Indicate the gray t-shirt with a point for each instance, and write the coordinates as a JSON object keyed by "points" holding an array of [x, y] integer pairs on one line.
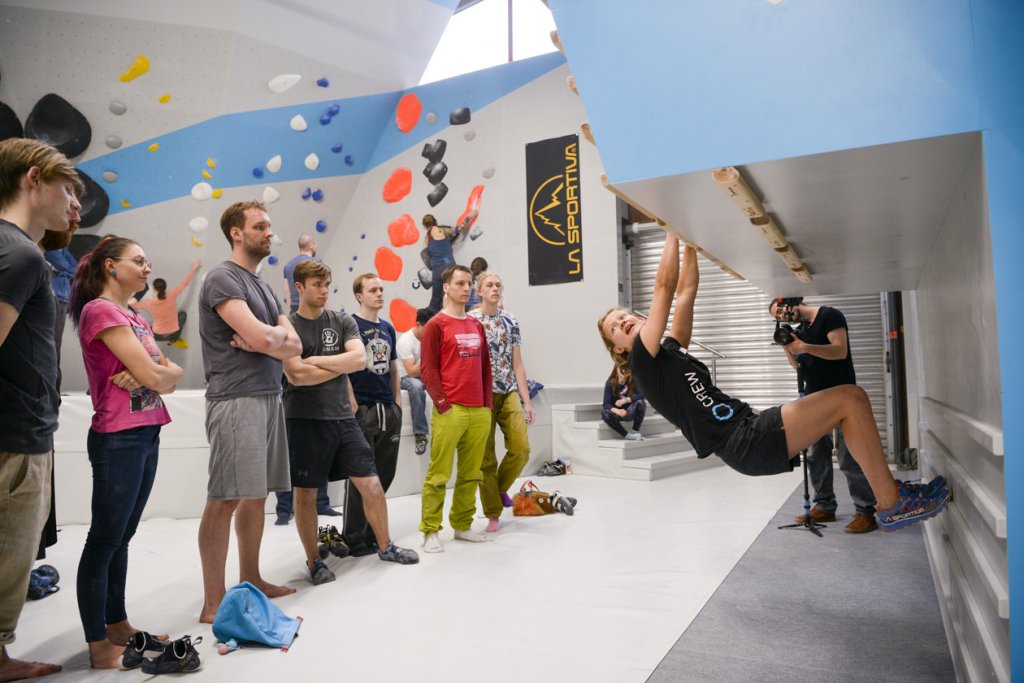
{"points": [[325, 336], [232, 372], [28, 358]]}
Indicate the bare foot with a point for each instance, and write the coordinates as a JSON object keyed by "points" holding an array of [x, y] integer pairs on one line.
{"points": [[272, 591], [105, 655], [17, 670], [121, 632], [207, 615]]}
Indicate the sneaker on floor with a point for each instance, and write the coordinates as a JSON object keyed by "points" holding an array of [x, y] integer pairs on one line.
{"points": [[506, 500], [861, 524], [400, 555], [493, 524], [552, 469], [634, 435], [421, 444], [328, 512], [432, 544], [179, 657], [471, 536], [138, 645], [562, 504], [916, 502], [818, 516], [320, 574]]}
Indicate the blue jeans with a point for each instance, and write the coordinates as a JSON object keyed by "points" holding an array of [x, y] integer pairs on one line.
{"points": [[123, 470], [417, 404], [635, 411], [819, 469]]}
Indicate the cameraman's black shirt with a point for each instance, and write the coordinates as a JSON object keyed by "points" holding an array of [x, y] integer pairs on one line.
{"points": [[679, 387], [820, 373]]}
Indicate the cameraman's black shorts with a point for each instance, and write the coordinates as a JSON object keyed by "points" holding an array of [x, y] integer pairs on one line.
{"points": [[757, 445], [327, 450]]}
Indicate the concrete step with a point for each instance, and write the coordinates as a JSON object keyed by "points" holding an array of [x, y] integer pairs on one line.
{"points": [[670, 464], [656, 444]]}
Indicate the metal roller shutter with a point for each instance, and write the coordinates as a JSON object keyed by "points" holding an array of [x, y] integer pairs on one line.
{"points": [[731, 316]]}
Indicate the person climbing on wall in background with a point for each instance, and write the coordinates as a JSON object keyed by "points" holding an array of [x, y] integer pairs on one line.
{"points": [[623, 400], [476, 266], [679, 386], [168, 321], [307, 250], [438, 239]]}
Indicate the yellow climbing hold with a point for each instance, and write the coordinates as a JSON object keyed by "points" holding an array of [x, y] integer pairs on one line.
{"points": [[196, 243], [138, 67], [154, 147], [217, 193], [210, 162], [165, 98], [206, 174], [126, 204]]}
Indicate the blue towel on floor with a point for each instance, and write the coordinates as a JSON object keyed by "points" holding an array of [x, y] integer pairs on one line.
{"points": [[247, 616]]}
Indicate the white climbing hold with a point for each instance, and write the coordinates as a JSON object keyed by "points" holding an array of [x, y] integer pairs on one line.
{"points": [[276, 240], [298, 123], [431, 117], [312, 162], [117, 108], [113, 141], [110, 176], [488, 172], [469, 135], [202, 191], [274, 165], [198, 224], [270, 195], [283, 82]]}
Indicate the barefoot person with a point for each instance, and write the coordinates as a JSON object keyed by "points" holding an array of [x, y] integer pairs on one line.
{"points": [[127, 374], [245, 337], [679, 387]]}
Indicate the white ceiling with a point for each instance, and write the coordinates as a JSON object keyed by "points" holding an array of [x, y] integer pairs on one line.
{"points": [[863, 220]]}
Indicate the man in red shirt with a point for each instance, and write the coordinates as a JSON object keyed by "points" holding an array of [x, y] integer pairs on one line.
{"points": [[455, 366]]}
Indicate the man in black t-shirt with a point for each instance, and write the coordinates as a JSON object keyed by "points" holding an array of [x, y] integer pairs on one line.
{"points": [[822, 351], [324, 440], [38, 186]]}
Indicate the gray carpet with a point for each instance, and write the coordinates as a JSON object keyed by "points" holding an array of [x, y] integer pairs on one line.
{"points": [[801, 608]]}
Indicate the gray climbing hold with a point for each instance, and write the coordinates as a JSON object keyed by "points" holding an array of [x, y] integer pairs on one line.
{"points": [[118, 108], [469, 135], [431, 117], [459, 116], [110, 176], [114, 141], [488, 172]]}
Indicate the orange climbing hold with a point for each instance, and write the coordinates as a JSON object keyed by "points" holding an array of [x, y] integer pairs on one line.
{"points": [[398, 185], [388, 264], [472, 205], [403, 315], [408, 112], [403, 231]]}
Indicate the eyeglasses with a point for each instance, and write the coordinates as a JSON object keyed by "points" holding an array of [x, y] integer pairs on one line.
{"points": [[140, 261]]}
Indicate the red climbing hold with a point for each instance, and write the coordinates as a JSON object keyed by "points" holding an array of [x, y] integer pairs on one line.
{"points": [[398, 185], [403, 315], [388, 264], [403, 231], [408, 113], [472, 205]]}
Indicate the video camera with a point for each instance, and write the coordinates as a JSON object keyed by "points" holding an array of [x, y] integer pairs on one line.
{"points": [[784, 333]]}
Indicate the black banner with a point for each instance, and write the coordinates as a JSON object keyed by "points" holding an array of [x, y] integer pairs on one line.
{"points": [[554, 211]]}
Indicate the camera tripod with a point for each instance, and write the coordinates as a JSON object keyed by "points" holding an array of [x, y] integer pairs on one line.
{"points": [[807, 523]]}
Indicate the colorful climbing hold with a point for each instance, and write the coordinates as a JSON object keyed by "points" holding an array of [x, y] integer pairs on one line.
{"points": [[257, 172], [307, 193], [298, 123], [318, 195], [210, 162], [349, 160], [154, 147], [324, 120], [388, 264], [323, 82], [403, 231], [283, 82], [363, 236], [398, 185], [274, 165], [217, 193], [333, 110], [408, 112], [272, 260], [206, 174], [165, 98], [403, 315], [312, 161], [126, 204], [195, 242], [472, 206], [138, 67], [336, 148], [321, 226]]}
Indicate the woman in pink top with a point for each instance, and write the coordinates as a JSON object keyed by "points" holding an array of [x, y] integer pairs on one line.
{"points": [[127, 374], [168, 321]]}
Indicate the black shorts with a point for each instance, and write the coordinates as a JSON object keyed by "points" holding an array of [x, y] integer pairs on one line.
{"points": [[757, 445], [327, 450]]}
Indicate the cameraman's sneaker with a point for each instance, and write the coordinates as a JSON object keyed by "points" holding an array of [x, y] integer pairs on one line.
{"points": [[331, 542], [398, 555], [179, 657], [916, 502]]}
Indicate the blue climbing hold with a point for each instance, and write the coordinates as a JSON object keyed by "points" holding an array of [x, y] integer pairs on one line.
{"points": [[363, 236], [324, 120], [307, 193], [321, 226], [349, 160], [318, 196], [355, 258], [350, 269], [272, 260], [257, 172], [323, 82], [336, 148], [333, 110]]}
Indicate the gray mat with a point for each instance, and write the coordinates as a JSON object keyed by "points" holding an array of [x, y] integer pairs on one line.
{"points": [[800, 608]]}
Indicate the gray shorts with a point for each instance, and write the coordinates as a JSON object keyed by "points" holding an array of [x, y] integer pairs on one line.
{"points": [[757, 446], [248, 447]]}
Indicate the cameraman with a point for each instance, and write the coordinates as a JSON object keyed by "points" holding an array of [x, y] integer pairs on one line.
{"points": [[823, 352]]}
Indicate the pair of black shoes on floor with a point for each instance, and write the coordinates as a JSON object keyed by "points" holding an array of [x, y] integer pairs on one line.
{"points": [[178, 656]]}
